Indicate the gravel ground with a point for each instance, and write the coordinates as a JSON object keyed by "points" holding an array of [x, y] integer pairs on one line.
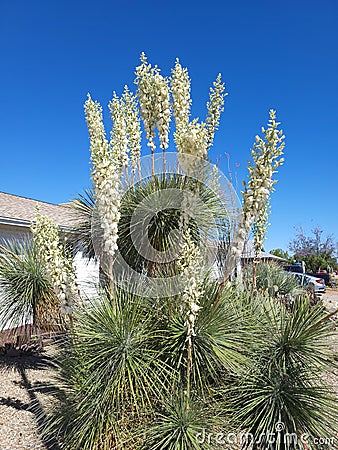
{"points": [[24, 393]]}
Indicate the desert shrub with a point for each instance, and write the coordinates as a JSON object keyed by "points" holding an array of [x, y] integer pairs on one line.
{"points": [[282, 398], [272, 279], [26, 290]]}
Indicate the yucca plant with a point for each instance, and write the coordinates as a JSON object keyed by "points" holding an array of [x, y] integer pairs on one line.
{"points": [[177, 427], [140, 224], [111, 371], [145, 372], [26, 290], [282, 401], [272, 279], [124, 361]]}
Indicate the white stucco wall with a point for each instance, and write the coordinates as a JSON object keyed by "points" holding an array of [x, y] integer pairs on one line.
{"points": [[87, 271], [87, 275]]}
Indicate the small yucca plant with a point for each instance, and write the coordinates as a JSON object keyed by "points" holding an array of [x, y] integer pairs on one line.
{"points": [[272, 279], [177, 426], [283, 394], [111, 372], [26, 290]]}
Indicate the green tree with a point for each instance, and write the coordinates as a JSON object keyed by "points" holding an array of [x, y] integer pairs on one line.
{"points": [[318, 252], [281, 254]]}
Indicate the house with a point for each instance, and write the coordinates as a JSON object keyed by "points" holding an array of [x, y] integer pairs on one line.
{"points": [[16, 215], [248, 254]]}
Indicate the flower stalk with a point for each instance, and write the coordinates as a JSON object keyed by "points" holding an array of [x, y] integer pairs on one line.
{"points": [[190, 265], [107, 161], [267, 157], [154, 98], [58, 263]]}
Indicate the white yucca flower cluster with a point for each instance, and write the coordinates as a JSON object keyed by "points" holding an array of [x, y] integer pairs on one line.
{"points": [[154, 99], [193, 140], [59, 265], [194, 137], [190, 264], [215, 107], [133, 127], [260, 228], [109, 159], [267, 158], [118, 135], [106, 165], [180, 85]]}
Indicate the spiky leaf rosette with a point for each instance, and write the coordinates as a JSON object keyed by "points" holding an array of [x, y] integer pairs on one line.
{"points": [[27, 294], [111, 372], [284, 396]]}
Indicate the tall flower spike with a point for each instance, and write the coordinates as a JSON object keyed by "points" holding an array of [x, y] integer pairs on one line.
{"points": [[105, 175], [180, 89], [133, 127], [190, 137], [190, 264], [215, 107], [118, 134], [163, 113], [59, 265], [194, 137], [267, 157], [145, 86], [154, 98]]}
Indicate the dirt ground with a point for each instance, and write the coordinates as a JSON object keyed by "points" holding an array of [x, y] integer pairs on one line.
{"points": [[330, 299]]}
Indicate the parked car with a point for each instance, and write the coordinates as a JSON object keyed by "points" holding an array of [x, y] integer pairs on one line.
{"points": [[294, 268], [325, 276], [315, 284]]}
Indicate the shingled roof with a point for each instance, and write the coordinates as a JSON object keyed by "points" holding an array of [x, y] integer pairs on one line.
{"points": [[249, 252], [15, 209]]}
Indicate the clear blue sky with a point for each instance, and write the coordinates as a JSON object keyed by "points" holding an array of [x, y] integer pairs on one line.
{"points": [[281, 55]]}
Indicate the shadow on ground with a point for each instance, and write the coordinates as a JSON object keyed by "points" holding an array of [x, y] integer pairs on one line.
{"points": [[21, 364]]}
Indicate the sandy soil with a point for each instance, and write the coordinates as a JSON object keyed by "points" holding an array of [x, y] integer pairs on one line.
{"points": [[24, 395], [330, 299]]}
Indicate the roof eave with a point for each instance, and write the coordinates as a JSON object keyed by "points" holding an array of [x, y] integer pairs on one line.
{"points": [[26, 224]]}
